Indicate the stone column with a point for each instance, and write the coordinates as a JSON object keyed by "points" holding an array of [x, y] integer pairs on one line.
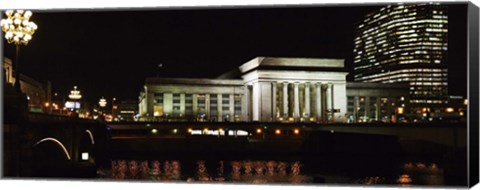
{"points": [[356, 105], [332, 101], [168, 104], [367, 107], [296, 102], [329, 107], [231, 107], [378, 109], [328, 96], [274, 101], [389, 109], [246, 104], [318, 100], [307, 99], [332, 96], [285, 100], [219, 108], [195, 105], [207, 106], [256, 101], [182, 104], [324, 102], [149, 104]]}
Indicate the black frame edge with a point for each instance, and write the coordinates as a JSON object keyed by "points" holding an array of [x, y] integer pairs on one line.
{"points": [[473, 94]]}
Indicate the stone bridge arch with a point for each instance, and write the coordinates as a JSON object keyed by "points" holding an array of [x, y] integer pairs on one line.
{"points": [[56, 142]]}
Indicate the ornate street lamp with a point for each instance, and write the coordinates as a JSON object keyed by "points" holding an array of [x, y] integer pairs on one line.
{"points": [[74, 95], [102, 102], [18, 30]]}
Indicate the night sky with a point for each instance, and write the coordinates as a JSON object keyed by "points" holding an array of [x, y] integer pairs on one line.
{"points": [[110, 52]]}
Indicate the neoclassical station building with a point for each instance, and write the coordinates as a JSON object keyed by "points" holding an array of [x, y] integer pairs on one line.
{"points": [[265, 89]]}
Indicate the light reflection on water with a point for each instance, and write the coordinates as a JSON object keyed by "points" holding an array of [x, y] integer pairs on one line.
{"points": [[239, 171], [258, 171], [421, 173]]}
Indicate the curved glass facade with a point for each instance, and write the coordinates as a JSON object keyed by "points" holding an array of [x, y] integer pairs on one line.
{"points": [[405, 43]]}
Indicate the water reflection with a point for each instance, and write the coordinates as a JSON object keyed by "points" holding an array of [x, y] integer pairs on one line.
{"points": [[412, 173], [248, 171], [155, 168], [261, 171], [202, 174], [421, 173], [371, 180], [404, 180]]}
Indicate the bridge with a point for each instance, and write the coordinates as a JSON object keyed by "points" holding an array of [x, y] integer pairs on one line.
{"points": [[448, 134], [286, 138], [43, 145], [36, 143]]}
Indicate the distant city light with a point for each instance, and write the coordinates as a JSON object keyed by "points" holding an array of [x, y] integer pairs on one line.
{"points": [[259, 130], [278, 132], [72, 105], [75, 94], [154, 131], [102, 102], [296, 131]]}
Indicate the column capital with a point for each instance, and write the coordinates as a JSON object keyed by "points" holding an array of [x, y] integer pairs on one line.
{"points": [[324, 86]]}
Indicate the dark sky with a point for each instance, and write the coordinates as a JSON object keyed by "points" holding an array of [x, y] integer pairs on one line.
{"points": [[111, 52]]}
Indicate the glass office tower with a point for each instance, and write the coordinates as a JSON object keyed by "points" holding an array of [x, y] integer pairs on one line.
{"points": [[405, 43]]}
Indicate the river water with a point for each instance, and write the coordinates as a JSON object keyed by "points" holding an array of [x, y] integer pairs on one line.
{"points": [[277, 171]]}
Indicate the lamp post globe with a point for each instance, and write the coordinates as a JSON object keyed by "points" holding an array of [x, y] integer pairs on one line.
{"points": [[74, 96], [19, 31], [102, 102]]}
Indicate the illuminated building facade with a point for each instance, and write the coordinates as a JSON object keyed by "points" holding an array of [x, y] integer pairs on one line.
{"points": [[38, 93], [126, 110], [186, 99], [373, 102], [264, 89], [405, 43]]}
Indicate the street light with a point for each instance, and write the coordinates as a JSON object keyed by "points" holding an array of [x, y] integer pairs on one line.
{"points": [[18, 30], [158, 68], [102, 102], [74, 95], [113, 108]]}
